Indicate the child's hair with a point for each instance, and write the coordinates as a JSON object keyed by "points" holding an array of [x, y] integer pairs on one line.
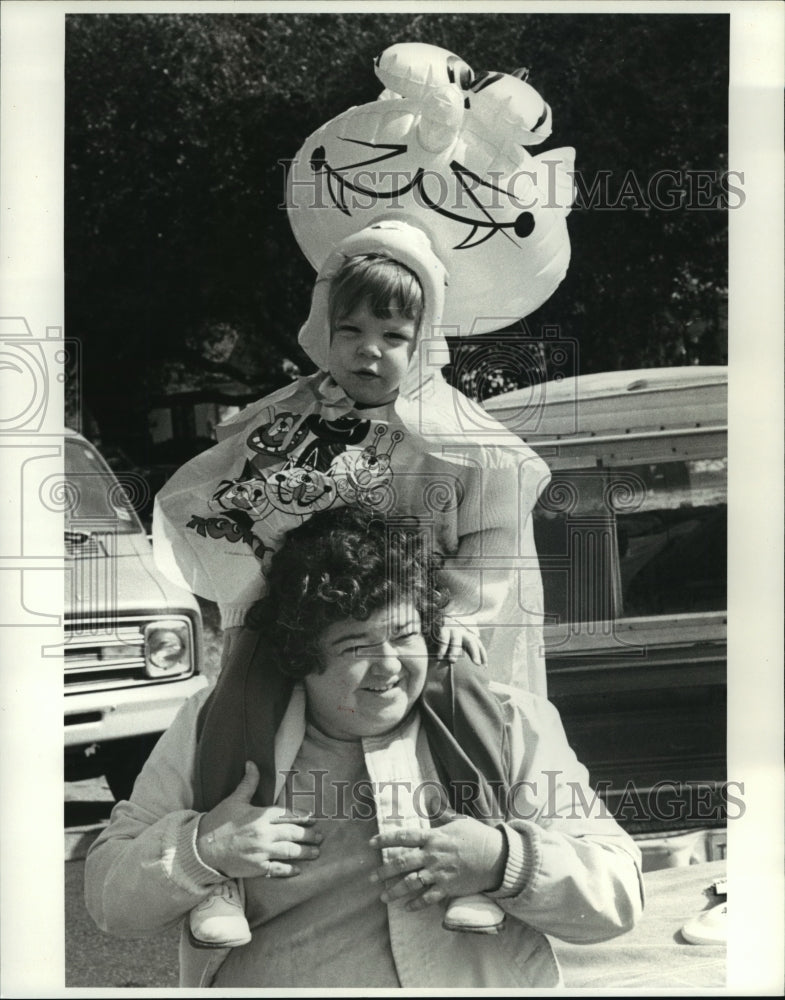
{"points": [[345, 563], [381, 281]]}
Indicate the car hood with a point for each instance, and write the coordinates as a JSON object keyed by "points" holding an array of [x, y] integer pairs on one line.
{"points": [[114, 573]]}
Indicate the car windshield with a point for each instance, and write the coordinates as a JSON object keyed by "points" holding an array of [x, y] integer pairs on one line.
{"points": [[95, 502], [634, 540]]}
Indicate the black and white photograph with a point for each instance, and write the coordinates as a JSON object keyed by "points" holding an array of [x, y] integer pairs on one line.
{"points": [[392, 424]]}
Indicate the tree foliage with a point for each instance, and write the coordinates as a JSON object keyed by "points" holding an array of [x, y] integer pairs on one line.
{"points": [[180, 264]]}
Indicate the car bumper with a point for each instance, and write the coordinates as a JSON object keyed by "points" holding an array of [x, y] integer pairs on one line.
{"points": [[96, 717]]}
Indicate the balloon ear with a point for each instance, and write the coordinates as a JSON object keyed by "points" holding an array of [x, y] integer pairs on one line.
{"points": [[555, 173], [412, 69], [505, 108]]}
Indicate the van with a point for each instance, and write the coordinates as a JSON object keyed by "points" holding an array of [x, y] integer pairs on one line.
{"points": [[631, 534], [133, 641]]}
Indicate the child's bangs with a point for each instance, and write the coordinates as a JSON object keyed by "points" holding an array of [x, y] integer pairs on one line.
{"points": [[381, 282], [392, 286]]}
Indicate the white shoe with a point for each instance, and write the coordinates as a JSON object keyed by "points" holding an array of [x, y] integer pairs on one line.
{"points": [[473, 914], [709, 927], [219, 920]]}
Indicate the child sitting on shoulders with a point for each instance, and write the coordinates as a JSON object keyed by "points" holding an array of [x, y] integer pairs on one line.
{"points": [[377, 427]]}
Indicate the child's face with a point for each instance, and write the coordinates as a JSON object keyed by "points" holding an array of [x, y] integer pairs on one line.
{"points": [[369, 356], [374, 671]]}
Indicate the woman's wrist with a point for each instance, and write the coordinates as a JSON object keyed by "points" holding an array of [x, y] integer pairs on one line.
{"points": [[496, 874]]}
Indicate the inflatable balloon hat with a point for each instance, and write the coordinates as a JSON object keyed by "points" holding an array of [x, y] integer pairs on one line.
{"points": [[444, 150]]}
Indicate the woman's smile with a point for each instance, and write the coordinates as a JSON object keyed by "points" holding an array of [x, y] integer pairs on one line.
{"points": [[383, 688], [374, 672]]}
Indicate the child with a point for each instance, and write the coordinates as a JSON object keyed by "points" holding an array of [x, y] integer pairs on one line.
{"points": [[377, 427]]}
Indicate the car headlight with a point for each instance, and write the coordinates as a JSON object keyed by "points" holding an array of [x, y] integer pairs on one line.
{"points": [[167, 648]]}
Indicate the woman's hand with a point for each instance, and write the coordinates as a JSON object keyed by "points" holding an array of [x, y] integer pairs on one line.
{"points": [[454, 637], [243, 841], [457, 858]]}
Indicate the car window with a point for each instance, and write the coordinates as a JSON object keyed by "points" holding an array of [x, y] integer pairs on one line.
{"points": [[634, 540], [96, 501]]}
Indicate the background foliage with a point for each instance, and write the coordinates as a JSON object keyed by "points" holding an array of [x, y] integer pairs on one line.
{"points": [[181, 270]]}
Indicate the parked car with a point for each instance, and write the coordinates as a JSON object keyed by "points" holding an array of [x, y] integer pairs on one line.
{"points": [[631, 537], [133, 641], [142, 481]]}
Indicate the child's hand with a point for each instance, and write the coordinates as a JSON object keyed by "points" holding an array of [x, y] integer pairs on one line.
{"points": [[454, 638]]}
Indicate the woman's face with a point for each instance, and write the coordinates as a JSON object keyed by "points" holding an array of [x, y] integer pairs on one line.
{"points": [[374, 672]]}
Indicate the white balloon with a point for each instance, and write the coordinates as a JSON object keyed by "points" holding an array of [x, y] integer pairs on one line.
{"points": [[444, 150]]}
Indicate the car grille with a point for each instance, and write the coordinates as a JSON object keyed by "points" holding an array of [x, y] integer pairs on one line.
{"points": [[110, 653]]}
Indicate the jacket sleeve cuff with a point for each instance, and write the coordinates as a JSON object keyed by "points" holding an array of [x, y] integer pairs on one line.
{"points": [[517, 870], [190, 864]]}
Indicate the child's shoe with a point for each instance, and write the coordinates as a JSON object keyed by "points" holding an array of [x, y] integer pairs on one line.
{"points": [[219, 920], [709, 927], [476, 914]]}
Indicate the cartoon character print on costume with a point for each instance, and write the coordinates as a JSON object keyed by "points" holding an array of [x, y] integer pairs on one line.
{"points": [[235, 526], [248, 492], [309, 483], [283, 432], [324, 464], [301, 490], [326, 471], [297, 486], [443, 149], [240, 503], [366, 476], [332, 437], [280, 435]]}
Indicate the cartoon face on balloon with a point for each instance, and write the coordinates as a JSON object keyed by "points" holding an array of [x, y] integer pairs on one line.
{"points": [[445, 150]]}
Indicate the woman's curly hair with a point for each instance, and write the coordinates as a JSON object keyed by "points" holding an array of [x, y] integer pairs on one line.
{"points": [[344, 563]]}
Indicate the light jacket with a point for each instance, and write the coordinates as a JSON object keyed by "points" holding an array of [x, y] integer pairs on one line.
{"points": [[580, 878]]}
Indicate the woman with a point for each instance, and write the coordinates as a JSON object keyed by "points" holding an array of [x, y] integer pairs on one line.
{"points": [[346, 877]]}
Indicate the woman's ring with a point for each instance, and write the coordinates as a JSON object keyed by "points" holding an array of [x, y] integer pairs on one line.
{"points": [[269, 872], [421, 880]]}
